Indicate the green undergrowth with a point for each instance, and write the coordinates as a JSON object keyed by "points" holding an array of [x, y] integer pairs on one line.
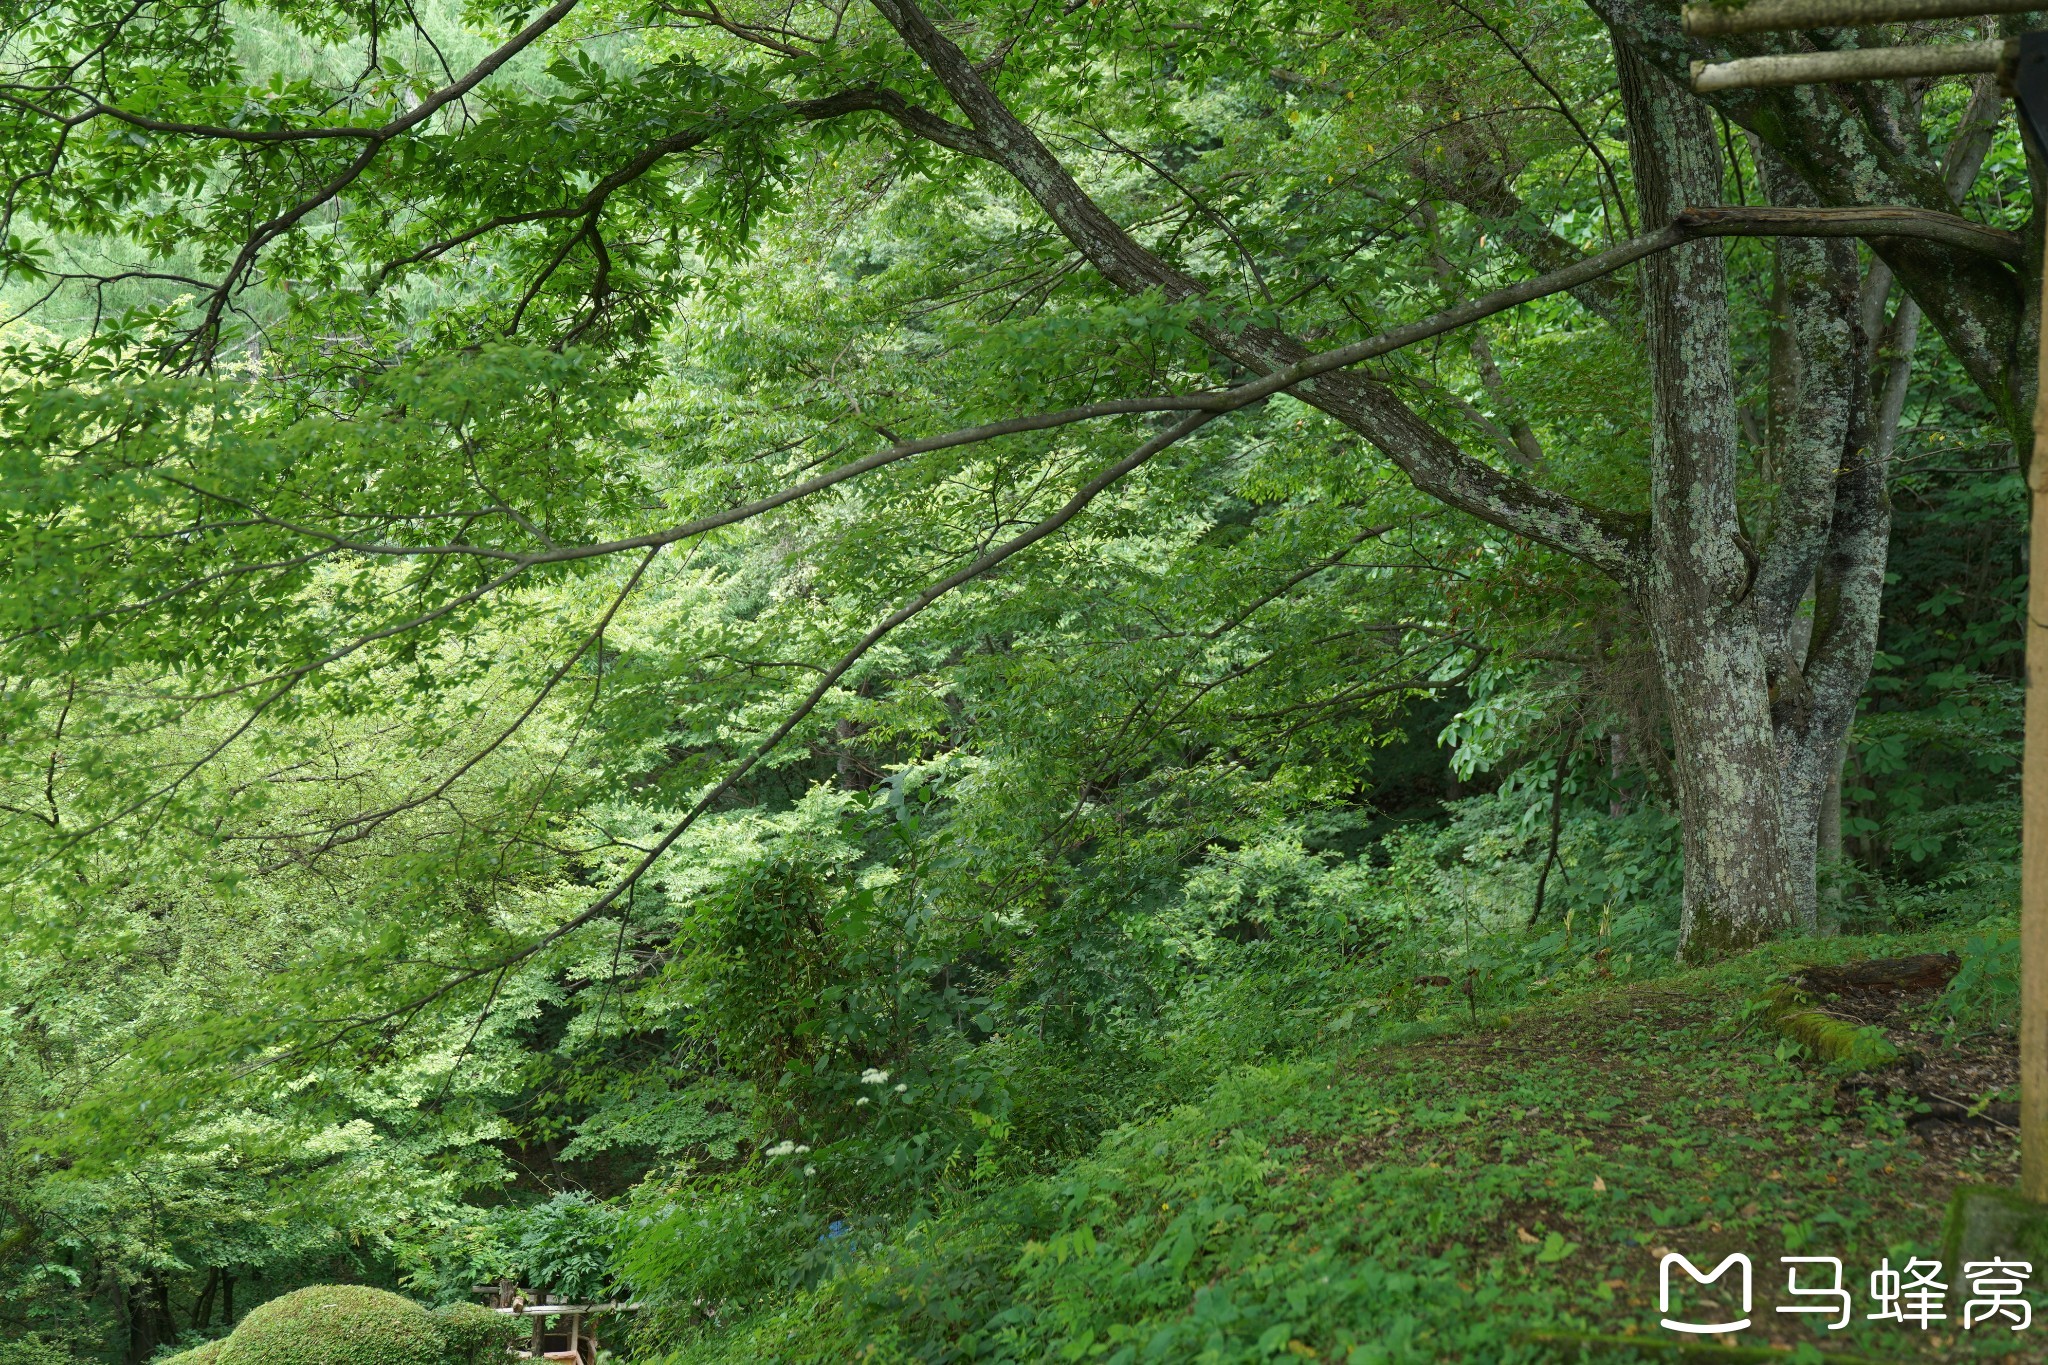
{"points": [[1499, 1188]]}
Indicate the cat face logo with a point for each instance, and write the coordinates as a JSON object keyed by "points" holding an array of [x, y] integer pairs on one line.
{"points": [[1664, 1291]]}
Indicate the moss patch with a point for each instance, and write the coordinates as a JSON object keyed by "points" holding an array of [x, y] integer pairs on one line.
{"points": [[208, 1354]]}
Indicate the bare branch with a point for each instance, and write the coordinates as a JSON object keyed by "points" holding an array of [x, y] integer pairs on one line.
{"points": [[1871, 224], [1690, 224]]}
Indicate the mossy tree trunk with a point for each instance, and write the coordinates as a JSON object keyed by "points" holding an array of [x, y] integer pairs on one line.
{"points": [[1697, 587], [1766, 649]]}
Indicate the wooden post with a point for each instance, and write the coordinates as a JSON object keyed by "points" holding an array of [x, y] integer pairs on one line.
{"points": [[2034, 818]]}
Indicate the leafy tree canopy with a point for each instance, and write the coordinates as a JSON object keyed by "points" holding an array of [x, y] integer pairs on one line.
{"points": [[638, 641]]}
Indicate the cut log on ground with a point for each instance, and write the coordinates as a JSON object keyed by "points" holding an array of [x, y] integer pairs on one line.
{"points": [[1922, 972]]}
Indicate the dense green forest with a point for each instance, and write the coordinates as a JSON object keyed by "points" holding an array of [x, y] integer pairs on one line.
{"points": [[1123, 679]]}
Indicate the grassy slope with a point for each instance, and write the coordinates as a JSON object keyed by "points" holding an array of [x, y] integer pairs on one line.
{"points": [[1447, 1196]]}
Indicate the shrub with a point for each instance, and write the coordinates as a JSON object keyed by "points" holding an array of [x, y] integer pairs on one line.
{"points": [[33, 1350], [337, 1324], [1985, 994], [565, 1246], [472, 1334]]}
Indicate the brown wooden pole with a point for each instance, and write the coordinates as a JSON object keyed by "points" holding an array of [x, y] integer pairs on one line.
{"points": [[2034, 818]]}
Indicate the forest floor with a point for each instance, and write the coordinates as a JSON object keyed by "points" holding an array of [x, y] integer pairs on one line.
{"points": [[1496, 1189], [1567, 1150]]}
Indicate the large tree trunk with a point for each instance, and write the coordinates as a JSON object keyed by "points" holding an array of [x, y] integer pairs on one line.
{"points": [[1835, 436], [1828, 532], [1720, 645], [1703, 618], [1817, 367], [150, 1321]]}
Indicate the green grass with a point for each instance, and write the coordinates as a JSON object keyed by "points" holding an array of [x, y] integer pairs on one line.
{"points": [[1500, 1190]]}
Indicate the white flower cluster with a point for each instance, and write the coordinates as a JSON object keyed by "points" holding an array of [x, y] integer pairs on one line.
{"points": [[787, 1149], [874, 1075]]}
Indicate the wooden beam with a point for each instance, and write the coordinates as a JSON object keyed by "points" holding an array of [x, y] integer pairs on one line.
{"points": [[1764, 16], [1853, 64], [2034, 821]]}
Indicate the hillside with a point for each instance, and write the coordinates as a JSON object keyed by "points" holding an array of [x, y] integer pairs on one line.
{"points": [[1498, 1189]]}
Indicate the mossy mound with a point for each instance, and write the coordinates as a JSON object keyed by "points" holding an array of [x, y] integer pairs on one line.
{"points": [[337, 1324], [209, 1354]]}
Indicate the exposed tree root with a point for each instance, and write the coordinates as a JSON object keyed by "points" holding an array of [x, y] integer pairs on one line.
{"points": [[1945, 1108]]}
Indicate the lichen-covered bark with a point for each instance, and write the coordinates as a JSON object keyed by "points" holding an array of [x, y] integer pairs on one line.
{"points": [[1836, 466], [1817, 429], [1697, 593], [1815, 385], [1859, 145], [1848, 593]]}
